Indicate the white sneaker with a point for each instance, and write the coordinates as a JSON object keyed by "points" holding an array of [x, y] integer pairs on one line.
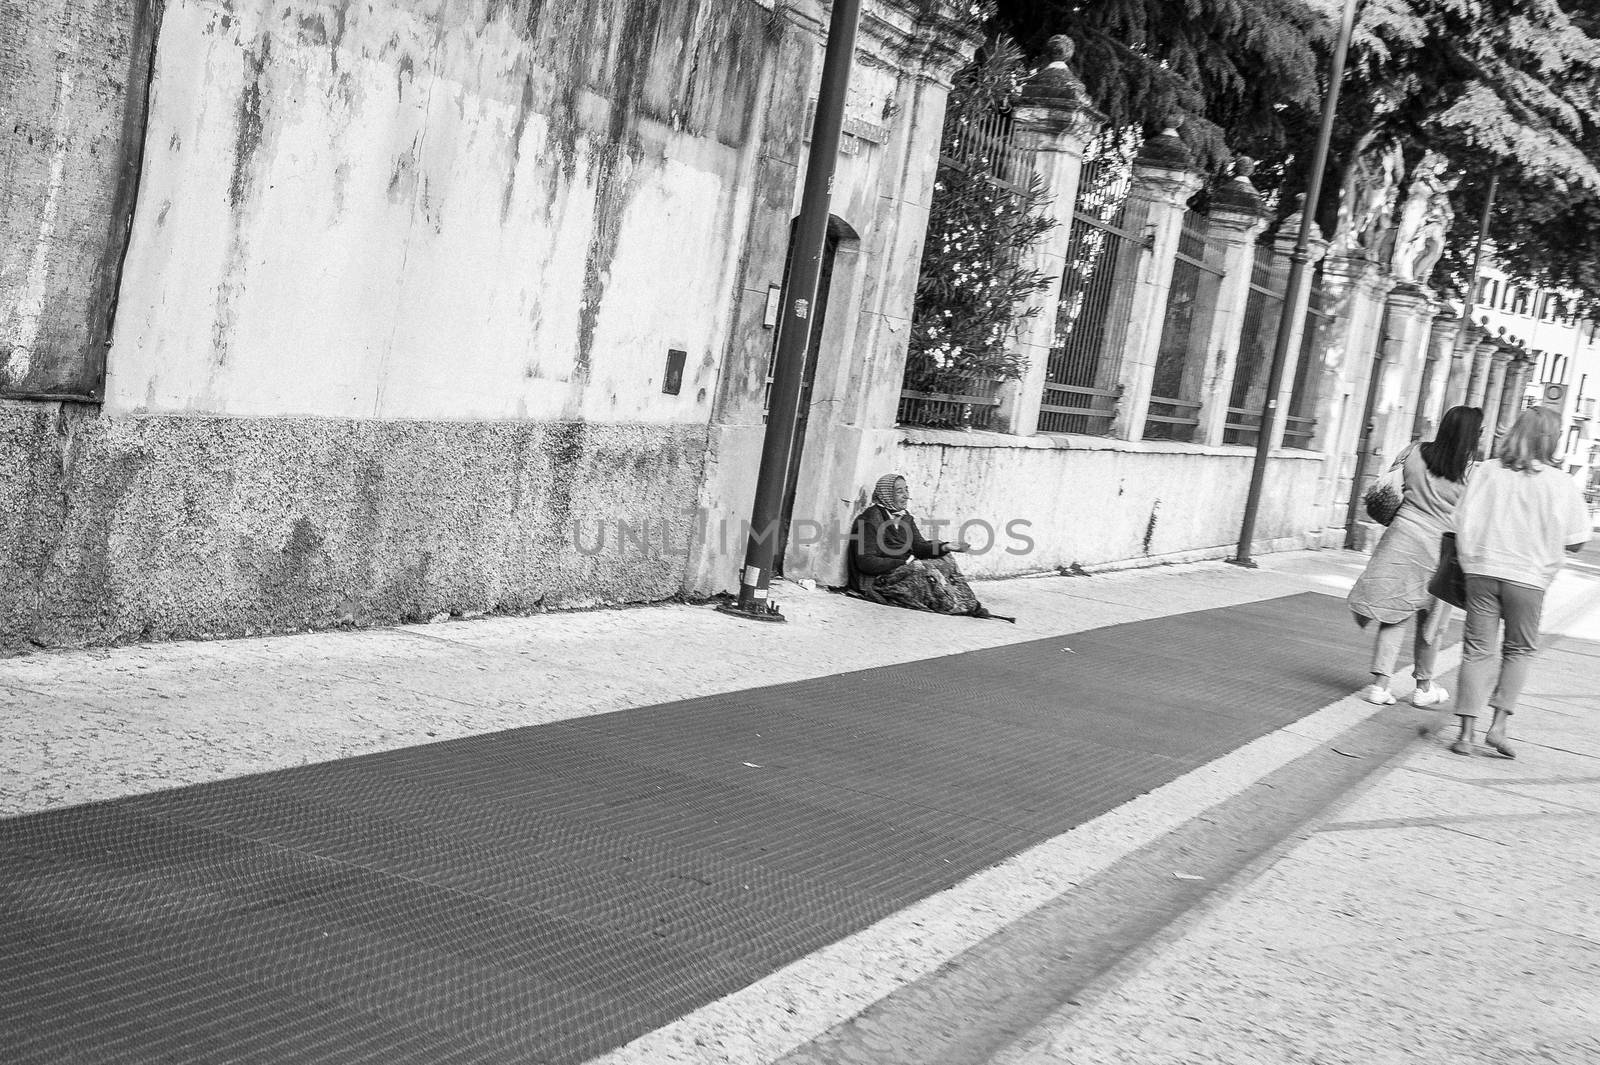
{"points": [[1374, 693], [1432, 697]]}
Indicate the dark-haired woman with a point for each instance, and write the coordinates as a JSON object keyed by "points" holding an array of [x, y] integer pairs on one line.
{"points": [[1393, 589], [1515, 518]]}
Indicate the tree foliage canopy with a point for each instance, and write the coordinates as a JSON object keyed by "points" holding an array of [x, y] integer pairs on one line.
{"points": [[974, 275], [1503, 87], [1230, 68], [1511, 82], [1509, 88]]}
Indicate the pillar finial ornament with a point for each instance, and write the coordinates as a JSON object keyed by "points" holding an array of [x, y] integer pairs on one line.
{"points": [[1166, 149], [1054, 86], [1238, 193]]}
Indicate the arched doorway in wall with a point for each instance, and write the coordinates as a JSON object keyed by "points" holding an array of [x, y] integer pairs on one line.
{"points": [[839, 234]]}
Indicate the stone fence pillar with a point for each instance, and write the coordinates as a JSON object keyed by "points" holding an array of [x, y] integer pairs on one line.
{"points": [[1526, 364], [1494, 384], [1436, 375], [1410, 310], [1463, 355], [1236, 221], [1341, 346], [1349, 347], [1478, 380], [1163, 181], [1517, 375], [1053, 120]]}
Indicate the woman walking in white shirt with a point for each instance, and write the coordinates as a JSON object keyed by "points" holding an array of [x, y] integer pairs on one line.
{"points": [[1516, 515]]}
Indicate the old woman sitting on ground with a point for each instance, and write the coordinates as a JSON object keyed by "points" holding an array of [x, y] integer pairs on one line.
{"points": [[892, 562]]}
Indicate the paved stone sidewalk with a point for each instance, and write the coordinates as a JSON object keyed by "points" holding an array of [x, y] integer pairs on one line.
{"points": [[1445, 914], [550, 893], [90, 725], [104, 724]]}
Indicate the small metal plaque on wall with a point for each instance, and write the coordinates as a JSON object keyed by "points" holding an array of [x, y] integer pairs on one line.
{"points": [[672, 383], [769, 317]]}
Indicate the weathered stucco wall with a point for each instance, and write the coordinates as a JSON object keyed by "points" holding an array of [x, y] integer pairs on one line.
{"points": [[158, 527], [483, 209], [399, 295], [883, 184], [72, 83]]}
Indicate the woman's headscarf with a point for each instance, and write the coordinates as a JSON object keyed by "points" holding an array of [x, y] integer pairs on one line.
{"points": [[883, 494]]}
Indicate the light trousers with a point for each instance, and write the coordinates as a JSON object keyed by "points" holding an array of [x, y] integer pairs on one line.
{"points": [[1424, 651], [1486, 681]]}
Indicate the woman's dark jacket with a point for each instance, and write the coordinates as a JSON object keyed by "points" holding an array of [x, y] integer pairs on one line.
{"points": [[879, 543]]}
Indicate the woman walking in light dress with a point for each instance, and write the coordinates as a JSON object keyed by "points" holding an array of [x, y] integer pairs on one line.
{"points": [[1393, 589]]}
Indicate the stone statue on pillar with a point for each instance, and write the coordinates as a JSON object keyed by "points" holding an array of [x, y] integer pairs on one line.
{"points": [[1366, 205], [1424, 224]]}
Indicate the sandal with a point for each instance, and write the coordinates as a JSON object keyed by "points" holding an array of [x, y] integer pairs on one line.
{"points": [[1505, 750]]}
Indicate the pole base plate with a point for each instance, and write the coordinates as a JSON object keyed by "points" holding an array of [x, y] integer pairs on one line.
{"points": [[759, 612], [1243, 563]]}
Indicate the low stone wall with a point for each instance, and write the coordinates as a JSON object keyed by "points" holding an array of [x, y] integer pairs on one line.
{"points": [[1098, 502], [162, 527]]}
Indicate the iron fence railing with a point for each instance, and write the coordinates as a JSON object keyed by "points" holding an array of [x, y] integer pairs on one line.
{"points": [[973, 407], [1083, 374], [1262, 310], [1180, 358], [986, 146]]}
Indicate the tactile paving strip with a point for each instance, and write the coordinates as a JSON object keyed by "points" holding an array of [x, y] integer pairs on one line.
{"points": [[543, 894]]}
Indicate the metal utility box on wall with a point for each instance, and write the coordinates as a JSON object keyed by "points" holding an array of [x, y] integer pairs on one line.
{"points": [[672, 381]]}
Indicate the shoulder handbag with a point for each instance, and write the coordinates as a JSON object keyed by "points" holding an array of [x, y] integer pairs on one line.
{"points": [[1383, 497], [1449, 583]]}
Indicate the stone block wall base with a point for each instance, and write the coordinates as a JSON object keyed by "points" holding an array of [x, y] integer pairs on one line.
{"points": [[132, 528], [1328, 538], [1216, 553]]}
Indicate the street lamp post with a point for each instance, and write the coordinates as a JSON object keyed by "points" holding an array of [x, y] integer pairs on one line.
{"points": [[794, 324], [1296, 283]]}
